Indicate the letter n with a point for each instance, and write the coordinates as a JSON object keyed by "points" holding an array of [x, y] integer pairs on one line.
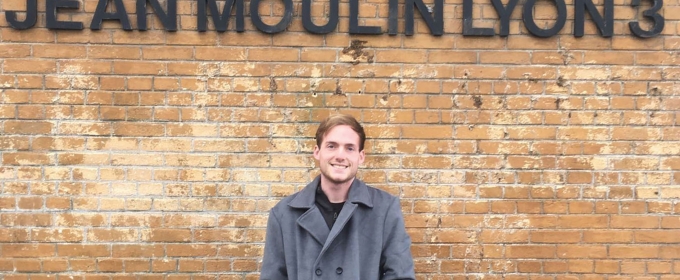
{"points": [[605, 25]]}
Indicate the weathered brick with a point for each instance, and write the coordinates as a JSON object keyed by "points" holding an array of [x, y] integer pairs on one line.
{"points": [[633, 252], [27, 158], [29, 66], [28, 250], [73, 250], [536, 158]]}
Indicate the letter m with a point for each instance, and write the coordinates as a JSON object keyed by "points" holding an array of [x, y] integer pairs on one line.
{"points": [[221, 20]]}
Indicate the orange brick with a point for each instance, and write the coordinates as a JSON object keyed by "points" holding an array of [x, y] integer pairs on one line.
{"points": [[555, 237], [633, 252], [538, 158], [138, 129], [29, 66], [28, 250], [634, 222], [113, 52], [430, 132], [530, 251], [57, 51], [582, 251], [15, 50], [24, 158], [138, 68]]}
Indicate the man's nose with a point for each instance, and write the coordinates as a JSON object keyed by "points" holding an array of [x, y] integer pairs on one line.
{"points": [[341, 154]]}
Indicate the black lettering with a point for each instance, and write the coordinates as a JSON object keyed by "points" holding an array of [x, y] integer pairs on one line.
{"points": [[435, 21], [271, 29], [393, 14], [651, 14], [29, 21], [354, 27], [221, 20], [468, 29], [168, 19], [504, 13], [100, 14], [605, 25], [51, 10], [528, 18], [309, 25]]}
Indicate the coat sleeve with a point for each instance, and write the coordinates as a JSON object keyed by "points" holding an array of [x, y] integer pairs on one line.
{"points": [[274, 260], [396, 259]]}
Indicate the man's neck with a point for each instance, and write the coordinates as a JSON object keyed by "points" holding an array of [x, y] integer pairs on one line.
{"points": [[336, 193]]}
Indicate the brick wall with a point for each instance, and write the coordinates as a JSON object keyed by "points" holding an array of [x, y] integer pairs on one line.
{"points": [[156, 154]]}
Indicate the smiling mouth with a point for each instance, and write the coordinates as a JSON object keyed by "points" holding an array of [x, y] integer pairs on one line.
{"points": [[339, 166]]}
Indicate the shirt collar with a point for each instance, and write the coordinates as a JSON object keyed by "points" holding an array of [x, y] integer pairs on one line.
{"points": [[358, 193]]}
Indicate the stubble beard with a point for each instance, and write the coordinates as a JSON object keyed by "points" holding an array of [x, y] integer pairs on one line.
{"points": [[332, 179]]}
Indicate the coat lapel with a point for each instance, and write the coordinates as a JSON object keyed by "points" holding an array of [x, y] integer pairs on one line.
{"points": [[358, 194], [339, 224], [312, 221]]}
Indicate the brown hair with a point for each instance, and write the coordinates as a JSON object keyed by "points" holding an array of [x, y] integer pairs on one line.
{"points": [[340, 119]]}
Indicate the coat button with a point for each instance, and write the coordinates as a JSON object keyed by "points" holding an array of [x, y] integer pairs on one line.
{"points": [[338, 270], [318, 272]]}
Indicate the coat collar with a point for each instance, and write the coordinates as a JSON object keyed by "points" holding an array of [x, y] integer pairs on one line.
{"points": [[358, 193]]}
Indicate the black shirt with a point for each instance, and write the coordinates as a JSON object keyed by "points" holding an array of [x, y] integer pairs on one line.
{"points": [[329, 210]]}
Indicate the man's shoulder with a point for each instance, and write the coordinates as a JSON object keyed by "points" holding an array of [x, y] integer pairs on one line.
{"points": [[283, 203], [380, 197]]}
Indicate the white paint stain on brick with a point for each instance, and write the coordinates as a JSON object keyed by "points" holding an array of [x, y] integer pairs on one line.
{"points": [[463, 192], [206, 71], [421, 72], [246, 84], [221, 85], [384, 133], [599, 163], [237, 70], [73, 76], [421, 148], [366, 73], [522, 222], [405, 87], [383, 101], [316, 72], [664, 149]]}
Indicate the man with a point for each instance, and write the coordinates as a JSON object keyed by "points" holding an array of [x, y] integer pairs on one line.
{"points": [[337, 227]]}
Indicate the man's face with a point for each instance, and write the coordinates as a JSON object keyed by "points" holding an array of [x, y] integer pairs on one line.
{"points": [[339, 156]]}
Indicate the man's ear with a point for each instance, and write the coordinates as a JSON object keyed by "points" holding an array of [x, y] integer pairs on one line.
{"points": [[316, 152], [362, 156]]}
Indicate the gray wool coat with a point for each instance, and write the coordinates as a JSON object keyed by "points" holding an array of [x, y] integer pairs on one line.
{"points": [[368, 240]]}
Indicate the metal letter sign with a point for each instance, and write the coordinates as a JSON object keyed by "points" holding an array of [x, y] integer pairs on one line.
{"points": [[435, 21], [271, 29], [432, 16], [169, 18], [31, 16], [221, 21], [51, 14], [354, 27], [504, 14], [528, 17], [468, 29], [309, 25], [100, 14], [604, 25], [651, 14]]}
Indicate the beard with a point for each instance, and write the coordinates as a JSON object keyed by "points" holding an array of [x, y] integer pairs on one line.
{"points": [[336, 178]]}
